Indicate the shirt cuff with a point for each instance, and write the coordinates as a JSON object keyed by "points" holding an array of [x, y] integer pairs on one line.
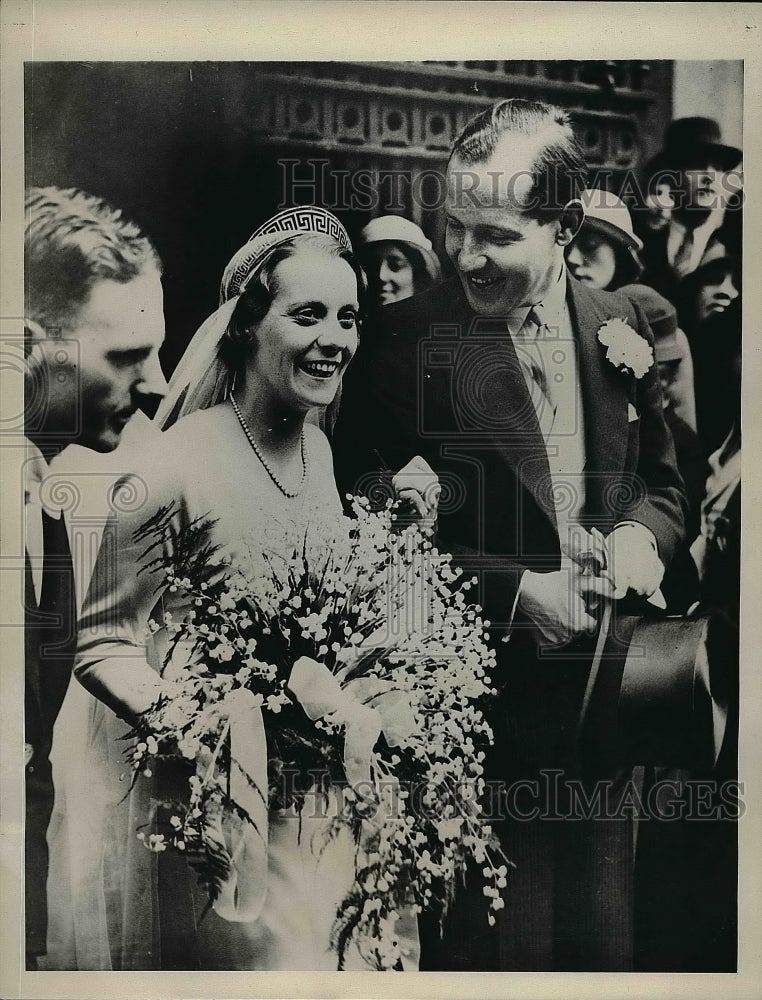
{"points": [[515, 605]]}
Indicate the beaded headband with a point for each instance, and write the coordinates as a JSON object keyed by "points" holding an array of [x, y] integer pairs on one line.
{"points": [[280, 229]]}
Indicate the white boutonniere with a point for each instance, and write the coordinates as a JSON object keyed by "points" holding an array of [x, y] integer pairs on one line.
{"points": [[625, 348]]}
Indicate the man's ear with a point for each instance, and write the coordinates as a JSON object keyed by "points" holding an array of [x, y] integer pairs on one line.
{"points": [[569, 222]]}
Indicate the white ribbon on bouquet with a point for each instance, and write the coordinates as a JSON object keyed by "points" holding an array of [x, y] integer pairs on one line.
{"points": [[322, 697], [242, 895]]}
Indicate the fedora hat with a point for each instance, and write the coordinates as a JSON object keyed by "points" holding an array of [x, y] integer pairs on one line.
{"points": [[688, 140], [718, 258]]}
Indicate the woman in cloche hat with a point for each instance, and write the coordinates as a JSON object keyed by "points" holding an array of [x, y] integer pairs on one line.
{"points": [[604, 253], [398, 259]]}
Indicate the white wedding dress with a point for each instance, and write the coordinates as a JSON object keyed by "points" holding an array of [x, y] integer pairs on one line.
{"points": [[113, 904]]}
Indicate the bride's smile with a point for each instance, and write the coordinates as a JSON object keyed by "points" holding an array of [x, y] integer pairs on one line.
{"points": [[309, 334]]}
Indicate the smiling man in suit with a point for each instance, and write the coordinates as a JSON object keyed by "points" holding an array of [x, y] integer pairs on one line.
{"points": [[538, 404]]}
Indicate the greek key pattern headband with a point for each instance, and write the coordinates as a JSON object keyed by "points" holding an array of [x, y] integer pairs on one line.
{"points": [[279, 229]]}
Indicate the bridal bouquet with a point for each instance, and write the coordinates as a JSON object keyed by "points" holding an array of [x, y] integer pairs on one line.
{"points": [[355, 642]]}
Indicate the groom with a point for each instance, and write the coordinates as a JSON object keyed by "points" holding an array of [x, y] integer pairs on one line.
{"points": [[537, 403]]}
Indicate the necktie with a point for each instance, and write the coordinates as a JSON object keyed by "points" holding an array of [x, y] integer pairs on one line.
{"points": [[559, 411], [681, 265], [531, 359]]}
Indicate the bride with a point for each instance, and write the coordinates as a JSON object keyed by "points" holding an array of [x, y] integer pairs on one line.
{"points": [[239, 450]]}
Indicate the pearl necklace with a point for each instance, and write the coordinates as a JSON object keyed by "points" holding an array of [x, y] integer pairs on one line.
{"points": [[250, 438]]}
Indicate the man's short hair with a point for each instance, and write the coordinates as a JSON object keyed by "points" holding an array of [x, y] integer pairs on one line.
{"points": [[559, 171], [71, 241]]}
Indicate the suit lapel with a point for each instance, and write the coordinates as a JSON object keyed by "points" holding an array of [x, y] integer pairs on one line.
{"points": [[604, 394], [33, 543], [497, 387], [476, 394], [500, 391]]}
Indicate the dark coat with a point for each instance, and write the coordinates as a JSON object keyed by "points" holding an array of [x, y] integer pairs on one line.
{"points": [[657, 272], [50, 636], [434, 379]]}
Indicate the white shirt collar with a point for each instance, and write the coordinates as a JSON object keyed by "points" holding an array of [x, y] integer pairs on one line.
{"points": [[515, 320], [553, 304], [35, 470], [711, 222]]}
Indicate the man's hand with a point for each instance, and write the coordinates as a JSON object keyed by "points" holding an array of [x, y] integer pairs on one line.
{"points": [[633, 562], [557, 602]]}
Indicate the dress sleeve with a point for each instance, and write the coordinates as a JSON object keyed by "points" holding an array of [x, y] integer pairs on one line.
{"points": [[111, 657], [112, 664]]}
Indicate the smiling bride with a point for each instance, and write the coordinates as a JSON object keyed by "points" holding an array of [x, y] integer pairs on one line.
{"points": [[239, 451]]}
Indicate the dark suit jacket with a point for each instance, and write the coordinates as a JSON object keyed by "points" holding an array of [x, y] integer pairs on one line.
{"points": [[434, 379], [657, 272], [48, 657]]}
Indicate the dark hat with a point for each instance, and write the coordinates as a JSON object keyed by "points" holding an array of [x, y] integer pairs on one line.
{"points": [[661, 316], [660, 313], [687, 140]]}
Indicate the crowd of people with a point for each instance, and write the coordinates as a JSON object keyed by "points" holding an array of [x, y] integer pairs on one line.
{"points": [[575, 439]]}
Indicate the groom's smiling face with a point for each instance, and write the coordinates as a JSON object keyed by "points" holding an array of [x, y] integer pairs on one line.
{"points": [[505, 258]]}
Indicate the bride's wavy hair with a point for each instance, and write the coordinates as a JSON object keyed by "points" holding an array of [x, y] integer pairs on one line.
{"points": [[255, 300]]}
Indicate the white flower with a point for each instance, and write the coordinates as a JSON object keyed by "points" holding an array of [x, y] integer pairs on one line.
{"points": [[155, 843], [188, 747], [625, 347], [448, 829], [223, 652]]}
